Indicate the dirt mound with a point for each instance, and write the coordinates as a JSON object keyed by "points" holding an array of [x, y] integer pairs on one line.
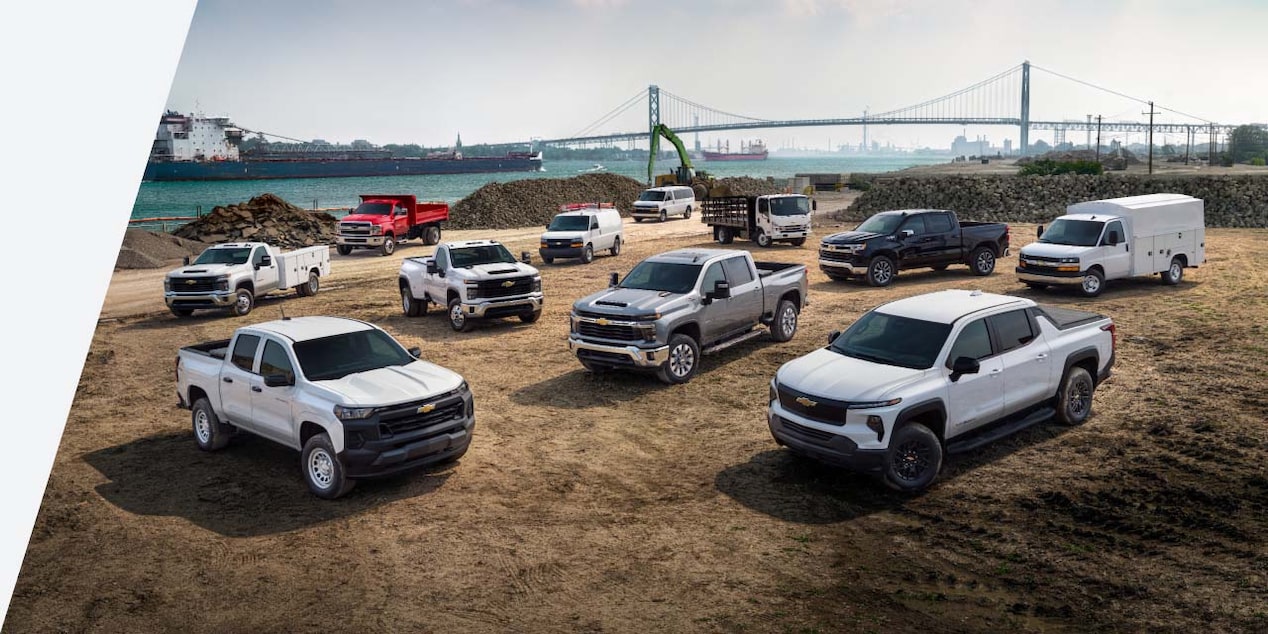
{"points": [[535, 201], [143, 249], [265, 218], [749, 186]]}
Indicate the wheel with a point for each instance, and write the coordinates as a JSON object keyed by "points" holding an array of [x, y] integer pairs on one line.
{"points": [[663, 216], [587, 254], [1174, 273], [431, 235], [762, 239], [343, 249], [309, 288], [412, 306], [1039, 286], [725, 236], [982, 261], [457, 317], [245, 302], [796, 242], [209, 432], [181, 312], [1074, 397], [594, 368], [616, 247], [686, 215], [548, 260], [913, 460], [684, 356], [1093, 282], [880, 271], [322, 470], [389, 246], [529, 318], [785, 324], [940, 267]]}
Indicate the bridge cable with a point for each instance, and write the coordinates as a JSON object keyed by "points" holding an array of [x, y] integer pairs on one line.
{"points": [[1115, 92], [626, 105]]}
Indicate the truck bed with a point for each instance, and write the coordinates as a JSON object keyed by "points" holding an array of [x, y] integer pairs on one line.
{"points": [[217, 349], [1066, 318], [766, 268], [727, 211]]}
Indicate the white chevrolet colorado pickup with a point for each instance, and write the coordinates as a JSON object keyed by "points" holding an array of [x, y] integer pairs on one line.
{"points": [[938, 373], [342, 391]]}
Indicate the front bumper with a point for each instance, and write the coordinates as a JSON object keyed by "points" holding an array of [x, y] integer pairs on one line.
{"points": [[1049, 276], [834, 266], [561, 252], [823, 446], [358, 241], [619, 355], [215, 299], [502, 307], [371, 449]]}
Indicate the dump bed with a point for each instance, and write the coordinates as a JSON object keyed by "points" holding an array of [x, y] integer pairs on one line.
{"points": [[429, 212]]}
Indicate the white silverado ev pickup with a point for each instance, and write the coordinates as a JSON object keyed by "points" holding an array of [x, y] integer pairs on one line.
{"points": [[472, 279], [938, 373], [341, 391], [235, 274]]}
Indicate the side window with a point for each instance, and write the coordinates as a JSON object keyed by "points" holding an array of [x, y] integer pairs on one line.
{"points": [[763, 205], [973, 343], [275, 361], [442, 259], [938, 223], [1114, 227], [712, 275], [244, 351], [258, 256], [1013, 329], [737, 271], [916, 224], [401, 211], [594, 223]]}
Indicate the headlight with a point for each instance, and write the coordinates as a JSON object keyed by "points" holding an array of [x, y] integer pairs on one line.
{"points": [[167, 284], [222, 283], [646, 317], [1069, 260], [544, 245], [376, 230], [873, 404], [473, 289], [649, 332], [572, 322], [537, 284], [353, 413], [464, 387], [774, 392]]}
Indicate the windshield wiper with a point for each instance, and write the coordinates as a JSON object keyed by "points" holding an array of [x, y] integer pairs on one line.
{"points": [[869, 357]]}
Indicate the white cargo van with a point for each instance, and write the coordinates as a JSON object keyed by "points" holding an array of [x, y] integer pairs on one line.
{"points": [[580, 229], [1105, 240], [663, 202]]}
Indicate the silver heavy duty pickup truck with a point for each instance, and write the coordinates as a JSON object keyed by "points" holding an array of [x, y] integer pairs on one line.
{"points": [[934, 374], [474, 279], [343, 392], [673, 307]]}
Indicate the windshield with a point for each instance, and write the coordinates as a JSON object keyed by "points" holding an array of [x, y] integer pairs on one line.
{"points": [[340, 355], [652, 196], [881, 223], [483, 254], [1079, 233], [224, 256], [569, 223], [374, 209], [893, 340], [662, 276], [792, 206]]}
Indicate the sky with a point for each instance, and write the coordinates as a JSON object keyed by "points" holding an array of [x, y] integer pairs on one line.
{"points": [[396, 71]]}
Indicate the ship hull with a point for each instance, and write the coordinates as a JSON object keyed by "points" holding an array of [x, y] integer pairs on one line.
{"points": [[722, 156], [333, 168]]}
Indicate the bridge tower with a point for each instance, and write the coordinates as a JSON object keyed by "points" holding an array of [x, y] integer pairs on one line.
{"points": [[1025, 108], [653, 113]]}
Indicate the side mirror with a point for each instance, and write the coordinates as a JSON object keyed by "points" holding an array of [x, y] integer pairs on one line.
{"points": [[832, 336], [278, 380], [186, 260], [614, 278], [432, 269], [1039, 233], [525, 257], [415, 352], [721, 289], [266, 260], [962, 366], [814, 205], [906, 233]]}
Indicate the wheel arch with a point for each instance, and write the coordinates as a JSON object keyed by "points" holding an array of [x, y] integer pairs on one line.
{"points": [[1086, 358], [691, 329], [196, 393], [308, 428], [931, 413], [793, 295]]}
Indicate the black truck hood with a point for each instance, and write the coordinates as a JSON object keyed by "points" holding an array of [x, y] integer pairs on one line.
{"points": [[852, 237]]}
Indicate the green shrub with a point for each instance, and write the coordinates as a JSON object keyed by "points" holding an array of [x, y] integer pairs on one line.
{"points": [[1258, 161], [1049, 167]]}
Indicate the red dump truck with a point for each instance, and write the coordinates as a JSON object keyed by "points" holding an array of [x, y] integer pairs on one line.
{"points": [[382, 220]]}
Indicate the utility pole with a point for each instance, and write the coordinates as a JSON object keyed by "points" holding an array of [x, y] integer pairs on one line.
{"points": [[1089, 130], [1151, 114], [1188, 143], [1098, 138], [1210, 147]]}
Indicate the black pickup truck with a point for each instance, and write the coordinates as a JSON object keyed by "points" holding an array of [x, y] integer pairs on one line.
{"points": [[891, 241]]}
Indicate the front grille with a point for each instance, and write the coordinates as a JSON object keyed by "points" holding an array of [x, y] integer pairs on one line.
{"points": [[193, 285], [610, 331], [408, 418], [500, 288], [816, 408], [354, 228], [807, 432], [1035, 261], [558, 244], [836, 256], [610, 358]]}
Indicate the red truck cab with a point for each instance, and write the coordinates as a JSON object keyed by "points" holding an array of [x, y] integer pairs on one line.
{"points": [[383, 220]]}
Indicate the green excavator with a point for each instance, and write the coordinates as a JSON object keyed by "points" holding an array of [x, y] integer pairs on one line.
{"points": [[700, 182]]}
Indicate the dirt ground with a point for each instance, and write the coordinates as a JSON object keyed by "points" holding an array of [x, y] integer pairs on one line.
{"points": [[619, 504]]}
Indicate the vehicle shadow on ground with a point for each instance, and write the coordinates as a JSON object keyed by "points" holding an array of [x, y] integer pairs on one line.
{"points": [[793, 488], [408, 249], [252, 487]]}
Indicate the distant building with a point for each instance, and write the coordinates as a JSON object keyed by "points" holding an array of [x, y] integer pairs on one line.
{"points": [[1008, 146]]}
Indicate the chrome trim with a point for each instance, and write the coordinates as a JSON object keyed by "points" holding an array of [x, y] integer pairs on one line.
{"points": [[636, 354]]}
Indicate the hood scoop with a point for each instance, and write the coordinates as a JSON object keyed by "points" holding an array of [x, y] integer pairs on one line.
{"points": [[617, 304], [194, 271], [501, 271]]}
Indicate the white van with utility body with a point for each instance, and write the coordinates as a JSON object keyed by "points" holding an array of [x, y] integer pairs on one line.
{"points": [[662, 202], [1111, 239], [580, 229]]}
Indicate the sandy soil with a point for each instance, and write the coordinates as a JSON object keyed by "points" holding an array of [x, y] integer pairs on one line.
{"points": [[619, 504]]}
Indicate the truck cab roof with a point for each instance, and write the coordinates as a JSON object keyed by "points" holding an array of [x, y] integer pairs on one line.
{"points": [[692, 256], [470, 243], [909, 212], [236, 245], [308, 328], [945, 307]]}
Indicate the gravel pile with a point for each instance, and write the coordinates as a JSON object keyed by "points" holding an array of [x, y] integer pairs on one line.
{"points": [[535, 201], [748, 186], [143, 249], [265, 218]]}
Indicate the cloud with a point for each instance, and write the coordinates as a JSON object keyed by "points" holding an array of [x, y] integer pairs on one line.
{"points": [[599, 4], [860, 11]]}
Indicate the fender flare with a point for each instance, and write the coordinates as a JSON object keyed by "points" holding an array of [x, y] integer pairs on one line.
{"points": [[933, 405], [1082, 354]]}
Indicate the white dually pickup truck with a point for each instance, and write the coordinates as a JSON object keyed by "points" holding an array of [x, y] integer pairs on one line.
{"points": [[343, 392], [934, 374], [473, 279], [235, 274]]}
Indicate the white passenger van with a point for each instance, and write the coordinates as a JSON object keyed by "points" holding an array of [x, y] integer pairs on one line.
{"points": [[1105, 240], [662, 202], [580, 229]]}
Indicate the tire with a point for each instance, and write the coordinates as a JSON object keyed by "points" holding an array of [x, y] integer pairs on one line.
{"points": [[209, 432], [594, 368], [431, 235], [686, 215], [245, 302], [796, 242], [343, 249], [532, 317], [457, 318], [881, 271], [1174, 273], [982, 261], [663, 216], [913, 460], [684, 360], [587, 254], [1038, 286], [1074, 397], [322, 471], [548, 260], [616, 247], [784, 325], [1093, 283], [309, 288], [762, 239], [181, 312], [389, 246], [725, 236], [410, 305]]}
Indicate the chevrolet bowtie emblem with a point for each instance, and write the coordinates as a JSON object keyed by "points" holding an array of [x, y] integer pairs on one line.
{"points": [[426, 408], [601, 322], [191, 281], [806, 402], [508, 284]]}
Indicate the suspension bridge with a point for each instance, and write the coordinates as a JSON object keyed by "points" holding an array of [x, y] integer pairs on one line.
{"points": [[1000, 100]]}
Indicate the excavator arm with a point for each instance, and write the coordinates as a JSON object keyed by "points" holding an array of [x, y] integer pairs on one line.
{"points": [[657, 132]]}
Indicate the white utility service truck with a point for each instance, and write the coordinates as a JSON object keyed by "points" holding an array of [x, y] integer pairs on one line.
{"points": [[235, 274]]}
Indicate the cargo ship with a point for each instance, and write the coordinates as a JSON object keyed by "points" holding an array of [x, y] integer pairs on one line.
{"points": [[755, 151], [198, 148]]}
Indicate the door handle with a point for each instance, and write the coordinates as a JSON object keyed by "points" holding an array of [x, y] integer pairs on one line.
{"points": [[996, 371], [226, 379], [1041, 357], [256, 388]]}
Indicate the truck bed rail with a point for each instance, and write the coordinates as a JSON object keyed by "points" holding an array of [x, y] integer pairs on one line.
{"points": [[726, 211]]}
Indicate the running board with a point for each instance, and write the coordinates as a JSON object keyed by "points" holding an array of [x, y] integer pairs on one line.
{"points": [[730, 342], [995, 433]]}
